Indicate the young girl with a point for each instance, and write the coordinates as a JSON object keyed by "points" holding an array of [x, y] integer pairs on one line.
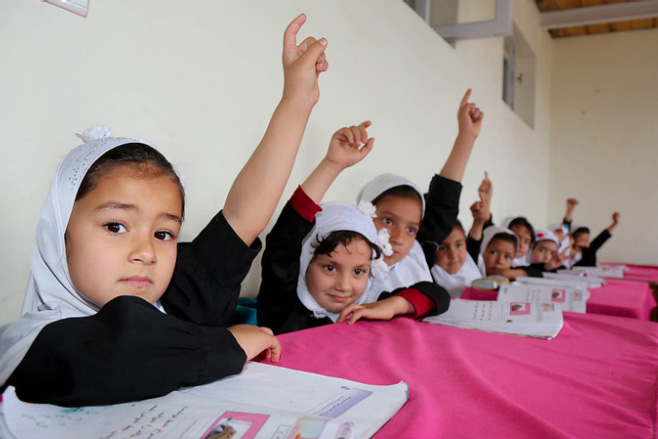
{"points": [[319, 262], [499, 245], [111, 314], [410, 218], [582, 253], [544, 257], [482, 219], [454, 269], [526, 234]]}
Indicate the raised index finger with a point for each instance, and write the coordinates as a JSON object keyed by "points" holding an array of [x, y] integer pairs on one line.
{"points": [[465, 98], [290, 34]]}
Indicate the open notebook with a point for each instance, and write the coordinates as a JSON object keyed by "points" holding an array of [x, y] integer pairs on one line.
{"points": [[262, 402], [542, 320]]}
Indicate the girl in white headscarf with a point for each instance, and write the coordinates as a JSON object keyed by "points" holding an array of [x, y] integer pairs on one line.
{"points": [[454, 269], [413, 219], [320, 263], [115, 311], [110, 314]]}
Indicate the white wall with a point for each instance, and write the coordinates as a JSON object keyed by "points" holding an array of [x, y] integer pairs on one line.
{"points": [[605, 138], [200, 80]]}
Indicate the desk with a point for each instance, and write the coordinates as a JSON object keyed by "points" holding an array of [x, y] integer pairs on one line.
{"points": [[647, 273], [624, 298], [596, 379]]}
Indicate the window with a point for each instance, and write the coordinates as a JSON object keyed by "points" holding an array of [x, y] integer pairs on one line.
{"points": [[519, 76]]}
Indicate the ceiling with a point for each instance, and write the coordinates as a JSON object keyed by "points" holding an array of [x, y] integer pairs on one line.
{"points": [[570, 18]]}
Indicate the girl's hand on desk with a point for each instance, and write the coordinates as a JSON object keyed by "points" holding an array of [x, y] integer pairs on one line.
{"points": [[381, 310], [255, 340]]}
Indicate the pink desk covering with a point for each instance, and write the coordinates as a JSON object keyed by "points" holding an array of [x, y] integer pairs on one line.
{"points": [[596, 379], [647, 273], [619, 297]]}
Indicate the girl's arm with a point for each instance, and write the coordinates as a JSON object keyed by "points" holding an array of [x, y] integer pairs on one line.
{"points": [[129, 351], [421, 299], [568, 215], [277, 296], [470, 119], [258, 187], [615, 223], [442, 199]]}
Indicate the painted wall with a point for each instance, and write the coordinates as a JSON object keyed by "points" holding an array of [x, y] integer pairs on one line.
{"points": [[200, 80], [604, 147]]}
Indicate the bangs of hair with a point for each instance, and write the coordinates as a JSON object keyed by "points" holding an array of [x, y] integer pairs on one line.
{"points": [[503, 237], [579, 231], [327, 245], [402, 191], [521, 221], [145, 161]]}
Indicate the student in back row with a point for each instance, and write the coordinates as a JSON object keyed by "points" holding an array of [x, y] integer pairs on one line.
{"points": [[115, 310]]}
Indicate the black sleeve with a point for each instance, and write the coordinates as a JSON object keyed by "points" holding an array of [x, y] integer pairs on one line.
{"points": [[429, 250], [205, 285], [533, 270], [128, 351], [589, 253], [598, 242], [441, 210], [434, 292], [473, 247], [278, 306], [567, 224]]}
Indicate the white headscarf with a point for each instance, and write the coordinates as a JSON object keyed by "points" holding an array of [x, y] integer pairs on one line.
{"points": [[50, 294], [456, 283], [413, 267], [546, 235], [566, 241], [487, 235], [332, 218]]}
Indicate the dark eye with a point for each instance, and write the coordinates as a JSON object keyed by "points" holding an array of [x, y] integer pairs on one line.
{"points": [[387, 221], [114, 227], [360, 271], [164, 235], [411, 230], [329, 268]]}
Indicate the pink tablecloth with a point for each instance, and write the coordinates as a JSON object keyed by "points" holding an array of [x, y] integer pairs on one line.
{"points": [[647, 273], [596, 379], [624, 298]]}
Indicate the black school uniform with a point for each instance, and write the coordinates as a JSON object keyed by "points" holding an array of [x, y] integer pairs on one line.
{"points": [[130, 350]]}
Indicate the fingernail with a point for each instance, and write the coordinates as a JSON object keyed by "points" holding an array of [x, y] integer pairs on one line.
{"points": [[323, 41]]}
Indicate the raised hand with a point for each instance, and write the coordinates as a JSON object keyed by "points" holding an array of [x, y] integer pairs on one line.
{"points": [[349, 145], [469, 116], [302, 64]]}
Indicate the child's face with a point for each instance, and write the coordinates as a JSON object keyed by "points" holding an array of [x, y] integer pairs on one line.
{"points": [[581, 242], [451, 253], [543, 252], [401, 216], [121, 237], [498, 255], [338, 279], [525, 238]]}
